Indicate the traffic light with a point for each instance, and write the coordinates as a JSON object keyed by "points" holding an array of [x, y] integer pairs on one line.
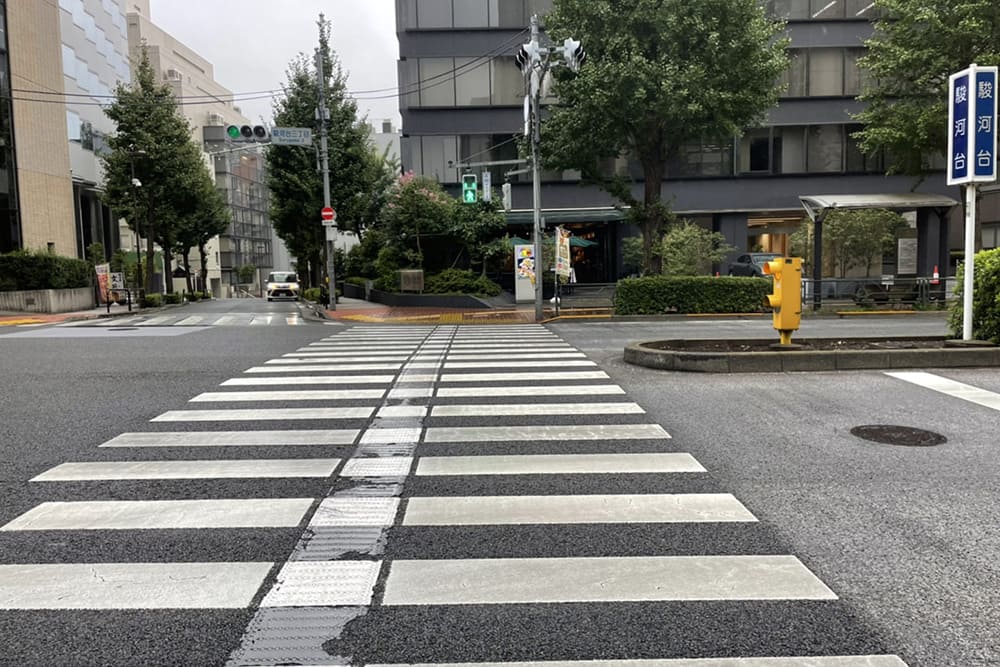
{"points": [[786, 296], [574, 54], [507, 200], [470, 192], [248, 133]]}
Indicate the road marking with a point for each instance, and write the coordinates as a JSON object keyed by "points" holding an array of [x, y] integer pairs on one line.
{"points": [[550, 390], [293, 320], [529, 409], [310, 379], [525, 376], [559, 464], [131, 585], [344, 353], [784, 661], [149, 514], [355, 511], [503, 364], [323, 584], [194, 319], [401, 411], [483, 355], [618, 579], [589, 509], [153, 321], [314, 395], [225, 319], [248, 468], [966, 392], [336, 360], [234, 438], [380, 466], [536, 433], [390, 436], [332, 368], [262, 414], [258, 320]]}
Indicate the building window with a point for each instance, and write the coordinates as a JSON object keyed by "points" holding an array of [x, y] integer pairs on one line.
{"points": [[857, 161], [508, 14], [472, 81], [755, 152], [434, 14], [826, 72], [790, 150], [69, 61], [825, 150], [472, 14], [508, 82], [797, 75], [437, 82], [73, 125], [833, 72], [439, 158]]}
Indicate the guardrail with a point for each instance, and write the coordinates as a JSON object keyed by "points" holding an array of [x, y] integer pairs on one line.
{"points": [[884, 291]]}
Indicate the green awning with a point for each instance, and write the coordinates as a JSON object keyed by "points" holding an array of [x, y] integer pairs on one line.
{"points": [[560, 216], [573, 241]]}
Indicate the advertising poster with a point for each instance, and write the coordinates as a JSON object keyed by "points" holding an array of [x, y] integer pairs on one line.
{"points": [[563, 265], [524, 273], [103, 272]]}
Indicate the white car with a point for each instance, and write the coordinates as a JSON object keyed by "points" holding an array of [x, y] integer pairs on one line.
{"points": [[282, 285]]}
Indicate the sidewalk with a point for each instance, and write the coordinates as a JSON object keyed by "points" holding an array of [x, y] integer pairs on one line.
{"points": [[12, 318], [357, 310]]}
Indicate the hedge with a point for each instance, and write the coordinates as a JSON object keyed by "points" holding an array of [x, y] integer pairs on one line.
{"points": [[656, 295], [985, 298], [460, 281], [26, 270]]}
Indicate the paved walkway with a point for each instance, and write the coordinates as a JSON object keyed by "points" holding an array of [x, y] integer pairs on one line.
{"points": [[11, 318], [356, 310]]}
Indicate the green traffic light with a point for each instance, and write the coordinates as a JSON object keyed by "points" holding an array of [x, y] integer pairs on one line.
{"points": [[233, 132], [470, 196]]}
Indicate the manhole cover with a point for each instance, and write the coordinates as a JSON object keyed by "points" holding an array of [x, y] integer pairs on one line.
{"points": [[904, 436], [123, 328]]}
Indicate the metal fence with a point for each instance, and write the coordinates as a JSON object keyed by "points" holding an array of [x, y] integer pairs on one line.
{"points": [[879, 292]]}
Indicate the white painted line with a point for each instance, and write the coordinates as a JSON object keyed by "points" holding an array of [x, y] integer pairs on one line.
{"points": [[194, 319], [422, 378], [590, 509], [234, 438], [149, 514], [260, 320], [323, 584], [468, 356], [224, 320], [401, 411], [342, 353], [309, 379], [131, 585], [263, 414], [153, 321], [355, 511], [536, 433], [784, 661], [323, 367], [313, 395], [383, 466], [553, 391], [534, 364], [414, 392], [293, 320], [248, 468], [524, 377], [559, 464], [628, 579], [966, 392], [530, 409], [338, 360], [390, 436]]}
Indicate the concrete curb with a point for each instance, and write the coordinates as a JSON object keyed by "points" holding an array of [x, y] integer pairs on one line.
{"points": [[648, 355]]}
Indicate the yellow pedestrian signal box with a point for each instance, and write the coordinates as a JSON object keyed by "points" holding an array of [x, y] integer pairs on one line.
{"points": [[786, 295]]}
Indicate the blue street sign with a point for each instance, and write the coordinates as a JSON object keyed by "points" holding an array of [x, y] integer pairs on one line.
{"points": [[985, 118], [972, 116]]}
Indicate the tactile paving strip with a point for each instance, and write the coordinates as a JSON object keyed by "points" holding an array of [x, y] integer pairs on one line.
{"points": [[382, 466], [293, 636], [390, 436], [327, 583], [347, 511], [332, 542]]}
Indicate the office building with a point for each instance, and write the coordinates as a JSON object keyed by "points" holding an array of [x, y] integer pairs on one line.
{"points": [[461, 99]]}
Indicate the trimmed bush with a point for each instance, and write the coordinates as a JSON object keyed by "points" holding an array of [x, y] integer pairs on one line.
{"points": [[655, 295], [152, 300], [985, 298], [460, 281], [356, 280], [27, 270], [172, 298], [312, 294]]}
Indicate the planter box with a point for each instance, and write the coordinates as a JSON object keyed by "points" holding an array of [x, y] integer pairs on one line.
{"points": [[49, 300]]}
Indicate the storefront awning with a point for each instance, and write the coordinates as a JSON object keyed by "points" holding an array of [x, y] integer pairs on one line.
{"points": [[558, 216]]}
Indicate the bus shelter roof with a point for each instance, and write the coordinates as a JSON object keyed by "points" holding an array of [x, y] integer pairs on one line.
{"points": [[817, 206]]}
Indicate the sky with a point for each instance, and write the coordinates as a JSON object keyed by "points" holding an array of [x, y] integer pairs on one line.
{"points": [[251, 42]]}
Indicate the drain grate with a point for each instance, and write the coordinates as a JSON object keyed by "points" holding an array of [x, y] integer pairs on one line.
{"points": [[904, 436]]}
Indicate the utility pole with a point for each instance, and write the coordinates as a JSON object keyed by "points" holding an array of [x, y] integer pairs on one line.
{"points": [[534, 60], [331, 231]]}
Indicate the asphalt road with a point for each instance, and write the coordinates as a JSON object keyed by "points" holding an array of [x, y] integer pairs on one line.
{"points": [[904, 536]]}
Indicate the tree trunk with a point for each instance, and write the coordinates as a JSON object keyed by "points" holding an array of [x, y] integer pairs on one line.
{"points": [[652, 225], [150, 254], [203, 254], [187, 269]]}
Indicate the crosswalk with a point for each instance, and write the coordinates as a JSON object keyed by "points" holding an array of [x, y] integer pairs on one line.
{"points": [[496, 499], [181, 319]]}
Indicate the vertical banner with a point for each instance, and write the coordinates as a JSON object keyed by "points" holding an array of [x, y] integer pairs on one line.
{"points": [[984, 113], [103, 272], [524, 273], [563, 265], [958, 128]]}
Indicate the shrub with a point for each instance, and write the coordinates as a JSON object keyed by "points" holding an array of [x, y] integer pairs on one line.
{"points": [[172, 298], [460, 281], [312, 294], [27, 270], [655, 295], [194, 296], [985, 298], [356, 280], [152, 300], [205, 295]]}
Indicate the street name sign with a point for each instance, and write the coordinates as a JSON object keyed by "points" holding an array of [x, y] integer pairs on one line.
{"points": [[291, 136], [972, 115]]}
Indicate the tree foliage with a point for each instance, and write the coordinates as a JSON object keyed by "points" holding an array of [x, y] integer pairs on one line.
{"points": [[295, 184], [659, 74], [985, 298], [851, 238], [917, 44], [153, 144], [417, 208], [689, 249]]}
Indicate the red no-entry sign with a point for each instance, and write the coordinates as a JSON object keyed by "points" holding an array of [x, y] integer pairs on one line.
{"points": [[328, 214]]}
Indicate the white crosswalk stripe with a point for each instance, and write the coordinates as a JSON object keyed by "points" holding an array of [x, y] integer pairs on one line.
{"points": [[465, 515]]}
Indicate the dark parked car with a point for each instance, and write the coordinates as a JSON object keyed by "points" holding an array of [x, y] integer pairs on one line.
{"points": [[751, 264]]}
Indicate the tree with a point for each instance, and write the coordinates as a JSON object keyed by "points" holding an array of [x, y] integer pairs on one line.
{"points": [[659, 74], [851, 238], [417, 207], [917, 44], [296, 187], [153, 144], [203, 216], [480, 230], [689, 249]]}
